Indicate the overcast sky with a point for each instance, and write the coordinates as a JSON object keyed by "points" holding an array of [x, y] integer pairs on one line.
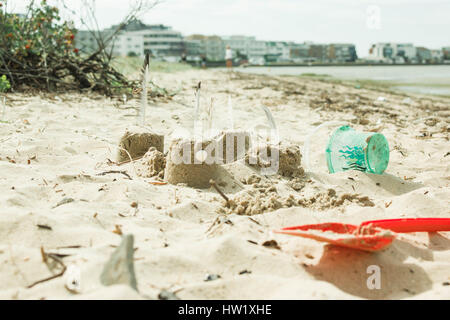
{"points": [[362, 22]]}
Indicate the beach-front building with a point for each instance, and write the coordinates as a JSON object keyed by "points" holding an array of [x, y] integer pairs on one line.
{"points": [[342, 52], [194, 48], [393, 52], [406, 50], [127, 44], [161, 41], [212, 47], [261, 52], [318, 52], [381, 52], [158, 40], [406, 53], [136, 39], [299, 52], [256, 50], [423, 55], [437, 56], [446, 53], [239, 44], [278, 49]]}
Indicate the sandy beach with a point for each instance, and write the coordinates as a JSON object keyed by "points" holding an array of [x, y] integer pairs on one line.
{"points": [[58, 193]]}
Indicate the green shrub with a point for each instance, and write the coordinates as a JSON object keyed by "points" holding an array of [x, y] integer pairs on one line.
{"points": [[39, 33], [37, 50]]}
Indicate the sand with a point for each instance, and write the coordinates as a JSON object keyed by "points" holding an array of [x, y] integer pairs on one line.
{"points": [[62, 190]]}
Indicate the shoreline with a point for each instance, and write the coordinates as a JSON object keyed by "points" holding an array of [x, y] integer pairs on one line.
{"points": [[220, 64], [432, 82], [351, 65]]}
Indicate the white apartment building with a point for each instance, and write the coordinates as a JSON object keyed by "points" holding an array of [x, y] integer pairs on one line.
{"points": [[161, 41], [406, 50], [248, 46], [280, 49], [381, 52], [239, 44], [215, 49], [128, 44], [393, 52], [211, 46], [194, 48], [136, 39], [437, 55], [123, 44], [256, 49]]}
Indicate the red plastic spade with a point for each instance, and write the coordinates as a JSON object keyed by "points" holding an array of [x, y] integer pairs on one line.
{"points": [[370, 235]]}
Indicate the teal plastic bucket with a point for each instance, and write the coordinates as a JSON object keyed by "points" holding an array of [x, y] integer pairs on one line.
{"points": [[349, 149]]}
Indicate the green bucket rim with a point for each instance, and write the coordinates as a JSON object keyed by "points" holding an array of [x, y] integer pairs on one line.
{"points": [[376, 135]]}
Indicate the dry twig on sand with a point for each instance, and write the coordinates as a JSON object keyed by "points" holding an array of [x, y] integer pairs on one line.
{"points": [[45, 257], [214, 185], [115, 171]]}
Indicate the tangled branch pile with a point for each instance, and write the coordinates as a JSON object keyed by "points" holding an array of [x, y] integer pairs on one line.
{"points": [[37, 50]]}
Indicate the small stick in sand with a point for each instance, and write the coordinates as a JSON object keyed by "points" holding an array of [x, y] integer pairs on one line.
{"points": [[157, 183], [255, 221], [74, 246], [213, 224], [98, 220], [43, 226], [118, 230], [110, 162], [214, 185], [115, 171], [197, 125], [127, 161], [144, 96], [45, 256]]}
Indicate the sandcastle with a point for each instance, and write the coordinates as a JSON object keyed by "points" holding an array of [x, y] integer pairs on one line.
{"points": [[284, 159], [195, 162], [152, 164], [191, 162], [137, 142]]}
